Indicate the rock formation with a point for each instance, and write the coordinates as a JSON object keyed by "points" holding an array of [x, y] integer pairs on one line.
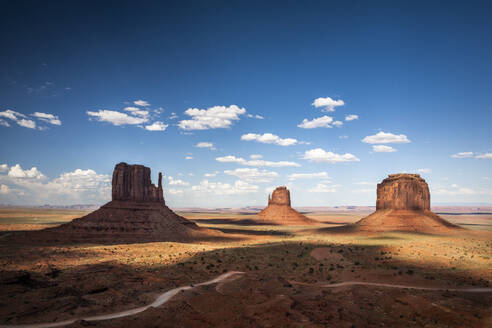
{"points": [[136, 213], [403, 204], [279, 211]]}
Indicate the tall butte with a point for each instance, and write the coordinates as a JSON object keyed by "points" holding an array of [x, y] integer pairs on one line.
{"points": [[403, 204], [136, 213], [279, 210]]}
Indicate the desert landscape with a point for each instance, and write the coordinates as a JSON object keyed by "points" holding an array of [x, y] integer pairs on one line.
{"points": [[223, 269]]}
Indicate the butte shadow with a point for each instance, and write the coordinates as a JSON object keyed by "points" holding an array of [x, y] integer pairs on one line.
{"points": [[137, 213], [403, 205]]}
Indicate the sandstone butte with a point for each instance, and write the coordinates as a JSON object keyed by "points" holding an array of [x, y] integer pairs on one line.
{"points": [[280, 212], [136, 213], [403, 204]]}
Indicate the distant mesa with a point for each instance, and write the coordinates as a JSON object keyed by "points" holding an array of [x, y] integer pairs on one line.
{"points": [[136, 213], [403, 204], [280, 212]]}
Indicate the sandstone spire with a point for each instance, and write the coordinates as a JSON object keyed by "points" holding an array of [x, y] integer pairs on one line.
{"points": [[279, 210]]}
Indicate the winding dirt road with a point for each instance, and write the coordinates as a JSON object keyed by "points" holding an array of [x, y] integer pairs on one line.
{"points": [[163, 298]]}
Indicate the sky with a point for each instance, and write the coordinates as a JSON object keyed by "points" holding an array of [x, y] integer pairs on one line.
{"points": [[230, 99]]}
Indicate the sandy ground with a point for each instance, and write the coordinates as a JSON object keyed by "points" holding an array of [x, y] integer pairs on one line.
{"points": [[285, 269]]}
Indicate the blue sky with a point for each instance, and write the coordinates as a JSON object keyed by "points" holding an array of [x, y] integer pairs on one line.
{"points": [[325, 97]]}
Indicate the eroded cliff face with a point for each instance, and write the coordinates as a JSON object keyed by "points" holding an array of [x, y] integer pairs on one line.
{"points": [[280, 196], [279, 210], [132, 183], [403, 192]]}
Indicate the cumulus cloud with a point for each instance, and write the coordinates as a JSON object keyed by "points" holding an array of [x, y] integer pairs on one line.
{"points": [[4, 168], [484, 156], [253, 175], [4, 123], [116, 118], [219, 188], [320, 122], [48, 118], [321, 187], [156, 126], [141, 103], [16, 171], [257, 162], [464, 154], [320, 155], [205, 144], [4, 189], [188, 157], [255, 156], [327, 103], [269, 138], [212, 118], [33, 187], [318, 175], [351, 117], [456, 190], [338, 123], [211, 175], [383, 149], [18, 118], [137, 111], [386, 137], [424, 170], [177, 182]]}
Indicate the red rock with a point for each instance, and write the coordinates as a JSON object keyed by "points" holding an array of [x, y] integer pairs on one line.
{"points": [[279, 210], [403, 204]]}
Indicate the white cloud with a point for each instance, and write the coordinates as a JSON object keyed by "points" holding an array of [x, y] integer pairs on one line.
{"points": [[18, 118], [79, 186], [211, 175], [338, 123], [425, 171], [259, 117], [320, 155], [319, 175], [116, 118], [16, 171], [484, 156], [351, 117], [212, 118], [253, 175], [258, 162], [383, 149], [321, 187], [328, 103], [386, 137], [4, 189], [188, 157], [173, 191], [269, 138], [177, 182], [4, 168], [4, 123], [255, 156], [142, 103], [205, 144], [137, 111], [363, 190], [219, 188], [173, 116], [343, 136], [156, 126], [320, 122], [464, 154], [48, 118], [365, 183]]}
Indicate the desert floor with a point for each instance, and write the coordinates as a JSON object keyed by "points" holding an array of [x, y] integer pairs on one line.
{"points": [[289, 273]]}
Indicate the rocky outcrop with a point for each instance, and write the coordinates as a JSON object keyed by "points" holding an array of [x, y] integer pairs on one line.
{"points": [[403, 192], [280, 196], [403, 204], [136, 213], [132, 183], [280, 212]]}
